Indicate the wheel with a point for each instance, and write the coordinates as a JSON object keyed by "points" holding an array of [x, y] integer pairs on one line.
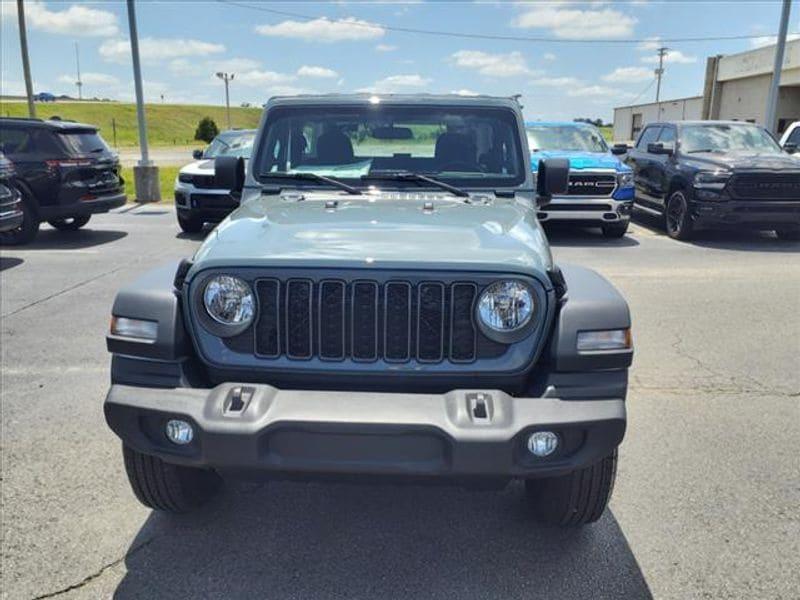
{"points": [[677, 220], [166, 487], [791, 235], [190, 224], [70, 223], [27, 231], [574, 499], [615, 230]]}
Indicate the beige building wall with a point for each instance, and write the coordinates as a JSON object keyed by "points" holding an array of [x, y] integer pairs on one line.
{"points": [[627, 125]]}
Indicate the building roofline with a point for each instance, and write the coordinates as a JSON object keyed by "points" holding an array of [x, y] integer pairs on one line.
{"points": [[698, 97]]}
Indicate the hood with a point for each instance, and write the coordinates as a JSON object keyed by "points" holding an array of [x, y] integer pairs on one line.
{"points": [[746, 161], [204, 166], [389, 230], [580, 160]]}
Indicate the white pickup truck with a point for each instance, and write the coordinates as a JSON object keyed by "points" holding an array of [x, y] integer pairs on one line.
{"points": [[790, 141]]}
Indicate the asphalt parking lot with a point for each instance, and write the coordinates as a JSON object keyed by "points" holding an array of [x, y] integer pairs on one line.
{"points": [[707, 502]]}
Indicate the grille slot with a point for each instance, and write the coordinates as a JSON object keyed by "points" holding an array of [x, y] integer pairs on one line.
{"points": [[430, 322], [268, 325], [463, 337], [332, 307], [588, 184], [397, 321], [298, 318], [364, 318]]}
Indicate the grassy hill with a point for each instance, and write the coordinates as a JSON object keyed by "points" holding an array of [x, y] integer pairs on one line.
{"points": [[167, 124]]}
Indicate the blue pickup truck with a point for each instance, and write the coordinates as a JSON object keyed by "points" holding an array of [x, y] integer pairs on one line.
{"points": [[600, 191]]}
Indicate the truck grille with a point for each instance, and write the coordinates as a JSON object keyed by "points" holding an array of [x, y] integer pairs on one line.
{"points": [[765, 186], [591, 184], [365, 320], [204, 182]]}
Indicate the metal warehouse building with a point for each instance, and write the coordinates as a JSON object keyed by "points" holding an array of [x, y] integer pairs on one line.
{"points": [[736, 88]]}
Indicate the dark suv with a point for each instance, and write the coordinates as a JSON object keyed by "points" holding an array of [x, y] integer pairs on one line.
{"points": [[10, 202], [716, 173], [65, 172]]}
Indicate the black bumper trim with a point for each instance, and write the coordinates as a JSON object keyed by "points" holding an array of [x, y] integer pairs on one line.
{"points": [[754, 213], [88, 207]]}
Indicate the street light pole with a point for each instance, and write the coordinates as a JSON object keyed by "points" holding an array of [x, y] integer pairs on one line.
{"points": [[145, 174], [79, 83], [227, 77], [772, 98], [26, 63]]}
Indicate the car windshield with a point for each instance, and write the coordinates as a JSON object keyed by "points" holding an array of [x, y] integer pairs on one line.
{"points": [[381, 144], [565, 137], [231, 144], [83, 142], [721, 137]]}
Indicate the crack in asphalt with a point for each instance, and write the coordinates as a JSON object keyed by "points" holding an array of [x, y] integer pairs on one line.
{"points": [[99, 573], [61, 292]]}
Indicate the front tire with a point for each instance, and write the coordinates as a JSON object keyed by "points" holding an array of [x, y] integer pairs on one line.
{"points": [[165, 487], [575, 499], [677, 218], [790, 235], [27, 231], [615, 230], [70, 223], [190, 224]]}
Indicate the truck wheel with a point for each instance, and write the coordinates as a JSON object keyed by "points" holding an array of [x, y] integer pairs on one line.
{"points": [[791, 235], [574, 499], [615, 230], [70, 223], [190, 225], [26, 232], [166, 487], [677, 220]]}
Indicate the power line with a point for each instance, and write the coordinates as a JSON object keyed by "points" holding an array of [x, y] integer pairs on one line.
{"points": [[644, 91], [485, 36]]}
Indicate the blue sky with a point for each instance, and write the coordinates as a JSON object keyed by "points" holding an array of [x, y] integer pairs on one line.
{"points": [[346, 47]]}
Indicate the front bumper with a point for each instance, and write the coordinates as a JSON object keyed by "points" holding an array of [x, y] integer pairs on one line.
{"points": [[342, 433], [767, 214], [603, 209], [207, 204]]}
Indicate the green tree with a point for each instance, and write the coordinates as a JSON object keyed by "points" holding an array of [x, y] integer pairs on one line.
{"points": [[207, 130]]}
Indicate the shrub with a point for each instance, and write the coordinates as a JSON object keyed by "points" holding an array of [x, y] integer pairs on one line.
{"points": [[207, 130]]}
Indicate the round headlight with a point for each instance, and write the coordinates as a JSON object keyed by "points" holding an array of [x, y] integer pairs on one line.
{"points": [[229, 300], [506, 306]]}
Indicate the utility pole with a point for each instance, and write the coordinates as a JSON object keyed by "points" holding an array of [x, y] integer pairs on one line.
{"points": [[145, 174], [79, 83], [772, 98], [227, 77], [26, 63], [662, 52]]}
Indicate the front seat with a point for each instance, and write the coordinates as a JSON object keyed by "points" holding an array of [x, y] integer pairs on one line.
{"points": [[334, 148], [455, 149]]}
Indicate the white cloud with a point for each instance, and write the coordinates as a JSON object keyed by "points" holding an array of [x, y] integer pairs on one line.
{"points": [[155, 49], [93, 79], [673, 56], [385, 48], [324, 30], [233, 65], [771, 40], [75, 20], [549, 56], [557, 82], [398, 83], [465, 92], [322, 72], [570, 21], [260, 78], [492, 65], [650, 45], [598, 92], [628, 75]]}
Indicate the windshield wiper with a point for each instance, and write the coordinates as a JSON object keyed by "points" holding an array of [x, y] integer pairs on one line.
{"points": [[417, 178], [320, 178], [711, 150]]}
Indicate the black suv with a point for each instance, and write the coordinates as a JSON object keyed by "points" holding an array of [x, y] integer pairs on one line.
{"points": [[10, 201], [65, 172], [716, 173]]}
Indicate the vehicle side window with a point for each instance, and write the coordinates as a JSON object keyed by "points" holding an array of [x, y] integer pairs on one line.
{"points": [[15, 141], [648, 136], [794, 137], [667, 137]]}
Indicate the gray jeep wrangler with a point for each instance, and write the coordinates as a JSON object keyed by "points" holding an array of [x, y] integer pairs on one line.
{"points": [[383, 304]]}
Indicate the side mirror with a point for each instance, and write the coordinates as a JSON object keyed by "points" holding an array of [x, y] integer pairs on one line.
{"points": [[659, 148], [790, 148], [552, 179], [229, 173], [197, 154], [619, 149]]}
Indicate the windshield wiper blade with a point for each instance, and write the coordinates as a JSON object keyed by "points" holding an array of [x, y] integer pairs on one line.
{"points": [[417, 178], [710, 150], [320, 178]]}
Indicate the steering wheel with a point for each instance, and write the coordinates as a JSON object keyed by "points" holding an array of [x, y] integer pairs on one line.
{"points": [[461, 165]]}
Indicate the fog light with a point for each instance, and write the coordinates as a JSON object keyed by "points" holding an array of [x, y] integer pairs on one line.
{"points": [[179, 432], [542, 443]]}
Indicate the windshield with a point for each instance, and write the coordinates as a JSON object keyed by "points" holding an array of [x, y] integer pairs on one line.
{"points": [[727, 138], [231, 144], [84, 142], [461, 145], [565, 137]]}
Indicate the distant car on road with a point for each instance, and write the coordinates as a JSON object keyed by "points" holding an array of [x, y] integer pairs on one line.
{"points": [[44, 97], [600, 191], [790, 141], [198, 199], [716, 173], [10, 200], [64, 171]]}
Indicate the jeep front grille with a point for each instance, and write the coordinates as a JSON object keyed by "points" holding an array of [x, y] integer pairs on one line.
{"points": [[591, 184]]}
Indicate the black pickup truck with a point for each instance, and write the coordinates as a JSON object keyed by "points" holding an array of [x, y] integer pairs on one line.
{"points": [[716, 173]]}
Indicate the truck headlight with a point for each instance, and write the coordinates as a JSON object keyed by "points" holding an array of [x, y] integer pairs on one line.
{"points": [[506, 306], [711, 180], [625, 179], [185, 178], [229, 300]]}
